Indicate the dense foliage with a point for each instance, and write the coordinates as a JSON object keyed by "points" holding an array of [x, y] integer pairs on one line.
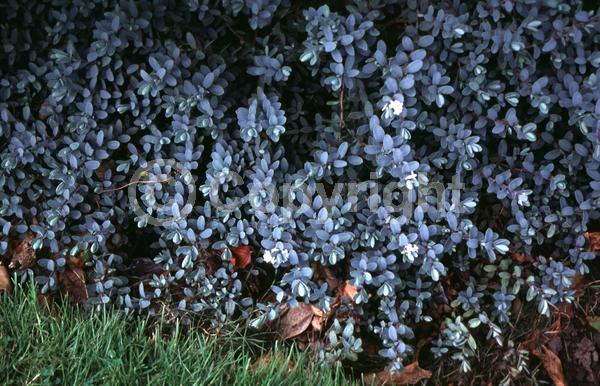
{"points": [[296, 124]]}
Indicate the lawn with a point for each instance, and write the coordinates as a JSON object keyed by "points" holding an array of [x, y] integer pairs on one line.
{"points": [[41, 345]]}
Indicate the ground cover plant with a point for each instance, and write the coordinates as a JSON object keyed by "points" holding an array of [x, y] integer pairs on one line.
{"points": [[379, 179]]}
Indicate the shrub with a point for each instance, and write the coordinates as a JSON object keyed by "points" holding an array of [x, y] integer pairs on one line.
{"points": [[301, 127]]}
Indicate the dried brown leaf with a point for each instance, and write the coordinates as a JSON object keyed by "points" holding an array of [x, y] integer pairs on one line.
{"points": [[45, 300], [552, 364], [594, 239], [266, 361], [211, 259], [411, 375], [348, 290], [317, 323], [345, 291], [104, 166], [522, 258], [317, 311], [23, 253], [319, 318], [564, 309], [75, 262], [242, 257], [5, 284], [325, 273], [579, 284], [72, 282], [295, 321]]}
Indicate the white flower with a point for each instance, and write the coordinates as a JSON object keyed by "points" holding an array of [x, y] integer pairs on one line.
{"points": [[396, 106], [276, 256], [410, 248], [410, 252], [268, 257]]}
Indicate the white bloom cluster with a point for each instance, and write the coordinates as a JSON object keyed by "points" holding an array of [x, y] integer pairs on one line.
{"points": [[276, 256], [410, 252], [395, 106]]}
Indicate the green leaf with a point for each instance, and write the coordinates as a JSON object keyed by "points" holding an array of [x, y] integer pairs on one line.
{"points": [[594, 322]]}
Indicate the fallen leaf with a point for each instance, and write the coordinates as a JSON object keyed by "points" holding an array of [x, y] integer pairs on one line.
{"points": [[23, 253], [517, 306], [266, 361], [579, 284], [45, 300], [72, 282], [319, 318], [75, 262], [295, 321], [522, 258], [104, 166], [594, 239], [345, 291], [322, 272], [552, 364], [317, 323], [211, 260], [241, 257], [411, 375], [5, 284], [552, 330], [332, 281], [564, 309], [317, 311], [348, 290]]}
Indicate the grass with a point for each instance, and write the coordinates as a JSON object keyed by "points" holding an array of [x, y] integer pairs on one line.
{"points": [[63, 345]]}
